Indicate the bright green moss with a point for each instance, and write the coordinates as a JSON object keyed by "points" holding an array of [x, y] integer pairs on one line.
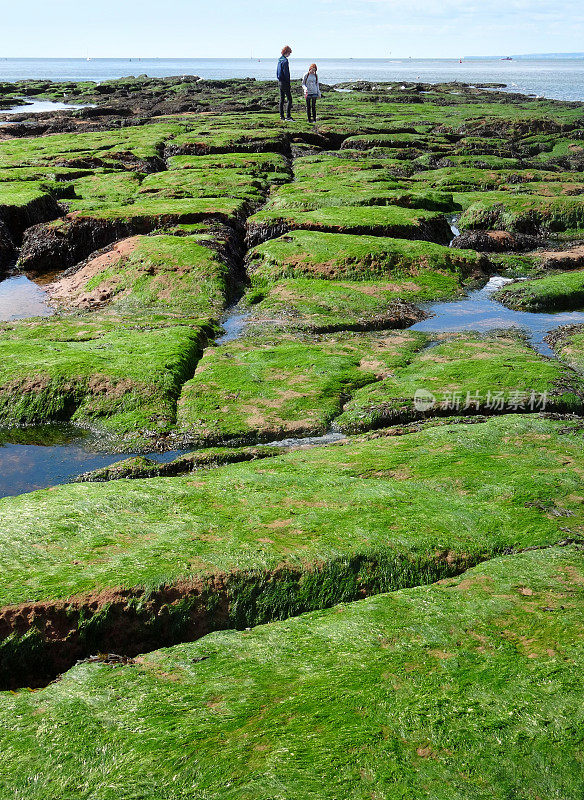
{"points": [[171, 276], [464, 489], [217, 140], [271, 386], [521, 212], [95, 148], [327, 305], [552, 293], [468, 688], [103, 189], [343, 256], [119, 377], [160, 211], [373, 220], [204, 183], [467, 374], [271, 164]]}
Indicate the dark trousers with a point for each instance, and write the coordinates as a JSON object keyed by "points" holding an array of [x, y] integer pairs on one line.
{"points": [[311, 108], [285, 94]]}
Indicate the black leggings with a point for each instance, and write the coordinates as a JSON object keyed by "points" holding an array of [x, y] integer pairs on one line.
{"points": [[311, 108], [285, 94]]}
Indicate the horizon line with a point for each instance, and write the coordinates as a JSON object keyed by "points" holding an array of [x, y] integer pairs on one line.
{"points": [[272, 56]]}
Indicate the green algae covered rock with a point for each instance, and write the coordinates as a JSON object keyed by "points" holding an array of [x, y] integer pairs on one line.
{"points": [[392, 221], [552, 293], [466, 374], [343, 256], [171, 558], [568, 343], [344, 479], [271, 386], [141, 467], [122, 377], [473, 684], [157, 276], [523, 213]]}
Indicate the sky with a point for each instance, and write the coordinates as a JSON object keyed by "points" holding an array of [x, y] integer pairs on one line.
{"points": [[314, 28]]}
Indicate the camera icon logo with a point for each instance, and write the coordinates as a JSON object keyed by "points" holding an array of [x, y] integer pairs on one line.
{"points": [[424, 400]]}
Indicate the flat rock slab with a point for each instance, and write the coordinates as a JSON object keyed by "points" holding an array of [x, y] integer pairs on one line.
{"points": [[397, 693], [121, 377], [392, 221], [321, 306], [568, 343], [522, 213], [467, 490], [163, 276], [301, 254], [267, 387], [559, 292], [467, 374]]}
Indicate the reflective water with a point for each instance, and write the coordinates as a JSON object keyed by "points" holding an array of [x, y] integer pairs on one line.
{"points": [[452, 219], [233, 324], [479, 312], [559, 78], [46, 455], [36, 106], [21, 298]]}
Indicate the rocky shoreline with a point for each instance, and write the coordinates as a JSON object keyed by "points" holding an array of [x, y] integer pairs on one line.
{"points": [[172, 205]]}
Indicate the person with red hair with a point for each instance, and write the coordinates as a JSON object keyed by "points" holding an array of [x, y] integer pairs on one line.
{"points": [[283, 76], [311, 90]]}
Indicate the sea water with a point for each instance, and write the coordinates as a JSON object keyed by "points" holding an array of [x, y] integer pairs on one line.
{"points": [[561, 78]]}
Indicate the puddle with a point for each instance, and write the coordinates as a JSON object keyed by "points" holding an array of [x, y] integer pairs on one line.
{"points": [[479, 312], [233, 324], [21, 298], [38, 106], [43, 456], [309, 441]]}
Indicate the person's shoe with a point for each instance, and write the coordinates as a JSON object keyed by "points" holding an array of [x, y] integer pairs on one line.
{"points": [[283, 119], [289, 119]]}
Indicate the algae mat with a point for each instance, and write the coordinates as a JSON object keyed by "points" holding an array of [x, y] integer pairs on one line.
{"points": [[467, 689]]}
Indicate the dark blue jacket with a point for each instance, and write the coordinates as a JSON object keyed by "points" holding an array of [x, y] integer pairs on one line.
{"points": [[283, 71]]}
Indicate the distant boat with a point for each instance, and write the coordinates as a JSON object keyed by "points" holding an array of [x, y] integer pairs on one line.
{"points": [[507, 58]]}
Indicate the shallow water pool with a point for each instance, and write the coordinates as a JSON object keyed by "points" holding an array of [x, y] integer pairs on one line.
{"points": [[21, 298], [479, 312], [46, 455]]}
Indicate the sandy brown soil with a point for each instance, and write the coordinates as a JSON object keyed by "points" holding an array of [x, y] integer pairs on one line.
{"points": [[70, 290]]}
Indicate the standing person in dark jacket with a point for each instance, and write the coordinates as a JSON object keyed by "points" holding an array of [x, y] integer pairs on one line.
{"points": [[283, 75]]}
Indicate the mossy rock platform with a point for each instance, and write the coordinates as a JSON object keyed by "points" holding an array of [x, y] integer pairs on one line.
{"points": [[177, 557], [467, 374], [359, 572], [552, 293], [267, 387], [469, 688]]}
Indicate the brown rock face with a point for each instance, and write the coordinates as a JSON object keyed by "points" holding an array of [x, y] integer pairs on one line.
{"points": [[573, 258], [496, 241]]}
